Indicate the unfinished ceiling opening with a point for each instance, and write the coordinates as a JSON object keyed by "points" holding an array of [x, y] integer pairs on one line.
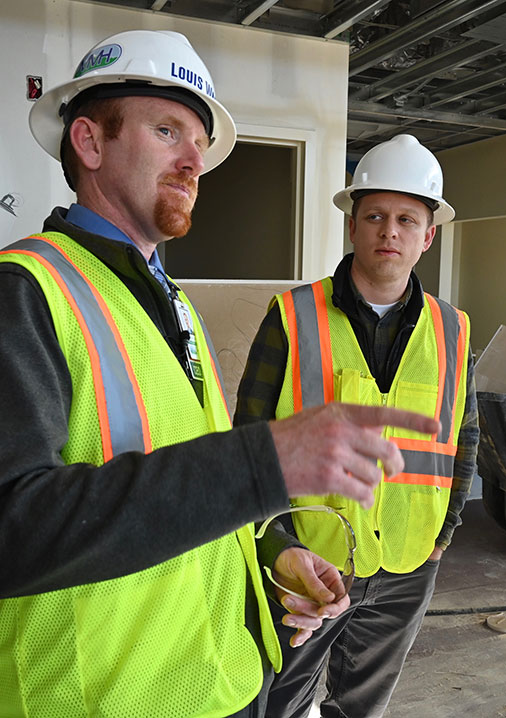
{"points": [[433, 69]]}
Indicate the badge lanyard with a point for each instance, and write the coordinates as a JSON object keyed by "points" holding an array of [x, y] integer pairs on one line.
{"points": [[185, 322]]}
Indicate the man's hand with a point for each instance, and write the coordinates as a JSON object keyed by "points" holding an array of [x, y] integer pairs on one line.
{"points": [[310, 575], [333, 449]]}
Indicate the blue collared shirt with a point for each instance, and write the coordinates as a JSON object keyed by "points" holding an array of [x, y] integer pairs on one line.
{"points": [[92, 222]]}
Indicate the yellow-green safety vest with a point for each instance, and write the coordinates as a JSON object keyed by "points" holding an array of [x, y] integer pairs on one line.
{"points": [[169, 641], [325, 363]]}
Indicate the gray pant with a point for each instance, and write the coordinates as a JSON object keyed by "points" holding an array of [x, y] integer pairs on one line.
{"points": [[364, 649]]}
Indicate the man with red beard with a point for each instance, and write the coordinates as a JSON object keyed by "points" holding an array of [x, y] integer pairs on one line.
{"points": [[129, 581]]}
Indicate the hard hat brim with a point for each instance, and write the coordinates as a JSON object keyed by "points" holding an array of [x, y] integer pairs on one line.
{"points": [[47, 127], [443, 214]]}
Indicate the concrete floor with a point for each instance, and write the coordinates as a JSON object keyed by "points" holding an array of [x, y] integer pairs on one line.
{"points": [[457, 666]]}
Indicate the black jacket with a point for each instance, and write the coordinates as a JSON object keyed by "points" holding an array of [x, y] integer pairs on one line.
{"points": [[68, 525]]}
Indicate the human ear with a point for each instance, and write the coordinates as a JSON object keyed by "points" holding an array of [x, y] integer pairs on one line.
{"points": [[86, 139], [429, 236], [351, 226]]}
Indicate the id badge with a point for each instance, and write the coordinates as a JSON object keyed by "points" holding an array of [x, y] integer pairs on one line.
{"points": [[185, 322]]}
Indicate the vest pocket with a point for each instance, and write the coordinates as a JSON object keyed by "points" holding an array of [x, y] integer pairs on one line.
{"points": [[414, 396], [352, 386]]}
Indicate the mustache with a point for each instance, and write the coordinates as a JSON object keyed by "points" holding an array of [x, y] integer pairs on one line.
{"points": [[181, 179]]}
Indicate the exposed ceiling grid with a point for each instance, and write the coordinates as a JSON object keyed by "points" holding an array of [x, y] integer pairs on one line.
{"points": [[436, 69]]}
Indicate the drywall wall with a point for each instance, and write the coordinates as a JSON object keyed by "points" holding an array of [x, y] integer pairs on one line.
{"points": [[482, 288], [475, 179], [233, 312], [475, 184], [266, 80], [27, 174]]}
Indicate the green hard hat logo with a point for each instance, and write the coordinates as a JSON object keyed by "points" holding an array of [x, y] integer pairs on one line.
{"points": [[98, 58]]}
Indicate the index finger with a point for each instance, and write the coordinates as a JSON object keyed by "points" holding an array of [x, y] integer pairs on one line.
{"points": [[385, 415]]}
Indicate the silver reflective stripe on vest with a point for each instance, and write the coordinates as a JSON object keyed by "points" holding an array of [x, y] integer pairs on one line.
{"points": [[124, 419], [451, 335], [311, 372], [427, 462]]}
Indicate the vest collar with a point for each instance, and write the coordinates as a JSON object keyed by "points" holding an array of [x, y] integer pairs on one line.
{"points": [[345, 296]]}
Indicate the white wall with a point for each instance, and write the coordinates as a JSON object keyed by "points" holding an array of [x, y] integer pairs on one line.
{"points": [[25, 170], [264, 79]]}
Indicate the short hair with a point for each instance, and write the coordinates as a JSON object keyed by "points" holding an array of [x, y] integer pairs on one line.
{"points": [[106, 112]]}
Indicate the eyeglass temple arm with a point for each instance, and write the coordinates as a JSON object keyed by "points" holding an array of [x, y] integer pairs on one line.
{"points": [[263, 527], [261, 531]]}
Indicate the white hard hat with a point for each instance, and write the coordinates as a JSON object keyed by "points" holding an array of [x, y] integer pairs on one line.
{"points": [[400, 165], [138, 62]]}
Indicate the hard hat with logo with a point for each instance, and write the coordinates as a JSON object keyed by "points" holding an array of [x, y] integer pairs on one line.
{"points": [[400, 165], [156, 63]]}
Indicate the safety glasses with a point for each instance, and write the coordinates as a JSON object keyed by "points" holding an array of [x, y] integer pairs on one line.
{"points": [[342, 523]]}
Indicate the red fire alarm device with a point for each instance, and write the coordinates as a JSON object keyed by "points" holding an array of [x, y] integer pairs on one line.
{"points": [[33, 87]]}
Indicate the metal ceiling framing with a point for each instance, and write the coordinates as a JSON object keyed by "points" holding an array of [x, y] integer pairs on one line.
{"points": [[434, 68]]}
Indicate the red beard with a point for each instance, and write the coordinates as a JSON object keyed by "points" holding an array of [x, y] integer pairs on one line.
{"points": [[173, 215]]}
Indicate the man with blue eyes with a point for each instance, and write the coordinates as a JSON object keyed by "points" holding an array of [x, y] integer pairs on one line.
{"points": [[130, 582], [370, 335]]}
